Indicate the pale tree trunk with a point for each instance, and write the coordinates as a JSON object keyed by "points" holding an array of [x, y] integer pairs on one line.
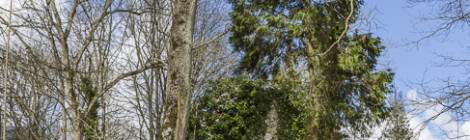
{"points": [[64, 118], [272, 123], [151, 92], [179, 69], [76, 125], [104, 121], [6, 77], [74, 104], [69, 89]]}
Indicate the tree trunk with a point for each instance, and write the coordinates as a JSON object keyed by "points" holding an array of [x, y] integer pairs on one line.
{"points": [[74, 106], [313, 125], [76, 124], [104, 121], [71, 96], [272, 123], [322, 124], [64, 118], [179, 69], [3, 128], [76, 115]]}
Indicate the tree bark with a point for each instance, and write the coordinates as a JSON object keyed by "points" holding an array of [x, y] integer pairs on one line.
{"points": [[179, 69], [64, 118], [74, 106], [272, 123]]}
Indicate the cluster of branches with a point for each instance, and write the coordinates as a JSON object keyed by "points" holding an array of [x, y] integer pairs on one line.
{"points": [[450, 98], [92, 69], [448, 14], [132, 69]]}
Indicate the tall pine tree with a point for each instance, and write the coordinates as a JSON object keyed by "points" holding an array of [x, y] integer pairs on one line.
{"points": [[276, 36]]}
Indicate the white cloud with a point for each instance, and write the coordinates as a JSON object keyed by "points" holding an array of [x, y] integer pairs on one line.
{"points": [[412, 94], [466, 128], [422, 134], [5, 4], [444, 123], [427, 135]]}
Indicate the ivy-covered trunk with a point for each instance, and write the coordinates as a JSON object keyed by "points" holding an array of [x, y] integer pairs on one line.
{"points": [[322, 123], [90, 116]]}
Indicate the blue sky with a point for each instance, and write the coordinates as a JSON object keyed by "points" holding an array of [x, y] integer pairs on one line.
{"points": [[399, 24]]}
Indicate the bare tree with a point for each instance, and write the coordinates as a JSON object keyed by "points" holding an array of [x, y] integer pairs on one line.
{"points": [[74, 63], [74, 43], [6, 79], [452, 97], [448, 14]]}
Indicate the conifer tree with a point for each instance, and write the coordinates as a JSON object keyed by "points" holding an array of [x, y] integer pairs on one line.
{"points": [[397, 125], [346, 89]]}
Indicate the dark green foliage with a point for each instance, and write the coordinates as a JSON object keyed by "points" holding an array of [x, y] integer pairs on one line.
{"points": [[345, 88], [271, 33], [236, 109], [260, 31]]}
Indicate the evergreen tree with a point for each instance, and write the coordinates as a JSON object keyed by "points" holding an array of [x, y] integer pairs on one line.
{"points": [[345, 87], [397, 125]]}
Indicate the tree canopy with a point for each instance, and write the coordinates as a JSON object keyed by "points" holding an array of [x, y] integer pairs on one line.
{"points": [[345, 88]]}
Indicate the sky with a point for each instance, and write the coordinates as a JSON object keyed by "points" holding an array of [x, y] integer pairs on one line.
{"points": [[399, 24]]}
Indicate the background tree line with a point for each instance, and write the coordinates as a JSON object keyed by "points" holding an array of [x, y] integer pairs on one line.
{"points": [[192, 69]]}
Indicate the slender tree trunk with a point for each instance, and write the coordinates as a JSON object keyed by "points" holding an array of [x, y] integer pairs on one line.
{"points": [[76, 115], [4, 112], [179, 69], [103, 119], [76, 124], [64, 118], [151, 115], [151, 79], [6, 77], [1, 119], [69, 91]]}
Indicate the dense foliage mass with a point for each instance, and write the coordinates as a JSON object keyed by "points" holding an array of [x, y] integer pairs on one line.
{"points": [[236, 108], [272, 33], [345, 89]]}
